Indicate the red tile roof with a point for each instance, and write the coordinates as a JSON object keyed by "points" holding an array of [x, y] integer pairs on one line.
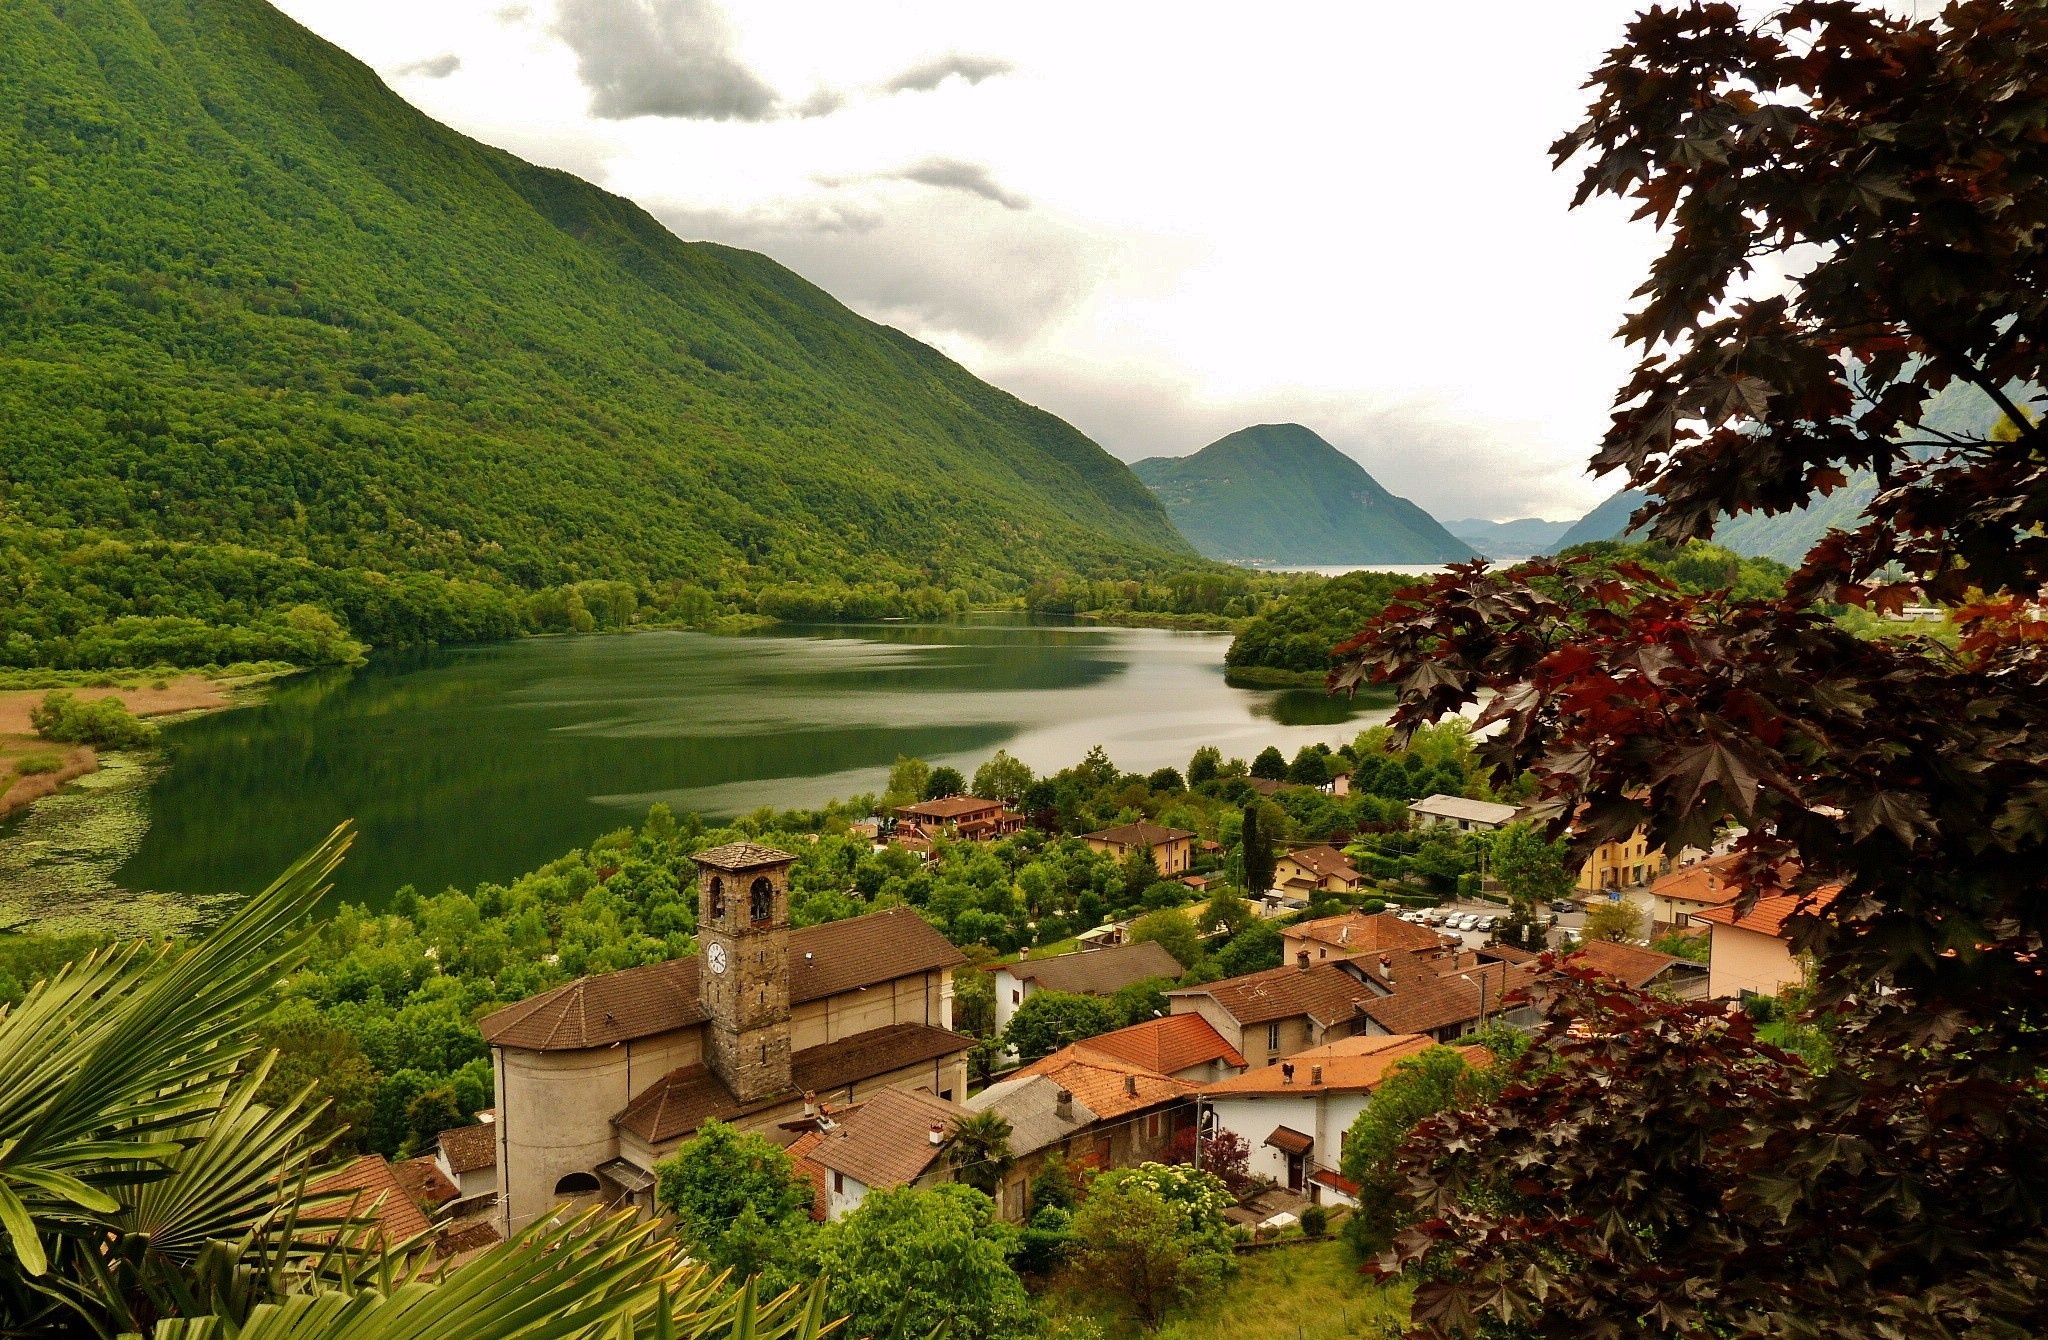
{"points": [[1290, 1141], [950, 808], [1631, 964], [886, 1141], [1098, 972], [1706, 882], [616, 1007], [470, 1148], [684, 1099], [1107, 1085], [1325, 861], [1769, 915], [1434, 1003], [1324, 992], [1350, 1065], [378, 1193], [1355, 932], [471, 1237], [800, 1154], [1166, 1045], [428, 1186]]}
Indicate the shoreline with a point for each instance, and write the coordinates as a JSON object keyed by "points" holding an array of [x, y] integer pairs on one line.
{"points": [[155, 695]]}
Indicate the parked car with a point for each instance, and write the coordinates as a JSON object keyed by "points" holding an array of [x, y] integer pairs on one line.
{"points": [[1432, 917], [1487, 923], [1464, 921], [1564, 905]]}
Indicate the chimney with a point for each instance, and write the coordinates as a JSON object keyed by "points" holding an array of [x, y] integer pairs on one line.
{"points": [[938, 1134], [1131, 1085], [1063, 1106], [1315, 1074], [1344, 936], [810, 1103], [1287, 1072], [1301, 960]]}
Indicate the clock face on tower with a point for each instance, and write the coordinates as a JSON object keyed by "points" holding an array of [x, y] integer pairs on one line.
{"points": [[716, 957]]}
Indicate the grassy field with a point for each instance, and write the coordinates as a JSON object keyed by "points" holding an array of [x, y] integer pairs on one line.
{"points": [[1293, 1293]]}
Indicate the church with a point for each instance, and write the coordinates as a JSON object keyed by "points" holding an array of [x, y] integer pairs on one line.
{"points": [[601, 1078]]}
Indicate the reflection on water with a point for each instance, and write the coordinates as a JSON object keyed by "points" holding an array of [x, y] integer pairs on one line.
{"points": [[478, 763]]}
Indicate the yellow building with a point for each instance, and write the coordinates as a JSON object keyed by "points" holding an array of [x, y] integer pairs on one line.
{"points": [[1629, 864]]}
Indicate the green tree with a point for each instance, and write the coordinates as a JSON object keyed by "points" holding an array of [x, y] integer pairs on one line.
{"points": [[1619, 919], [978, 1151], [1227, 911], [1254, 949], [1049, 1020], [1164, 781], [942, 782], [716, 1178], [1270, 765], [1002, 778], [313, 1052], [1205, 766], [1151, 1237], [66, 718], [916, 1262], [1256, 851], [1436, 1080], [907, 778], [1172, 930], [1139, 1001], [1140, 872], [1310, 766], [974, 1002], [1533, 870]]}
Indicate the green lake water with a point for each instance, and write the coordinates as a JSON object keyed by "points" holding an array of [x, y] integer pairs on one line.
{"points": [[475, 763]]}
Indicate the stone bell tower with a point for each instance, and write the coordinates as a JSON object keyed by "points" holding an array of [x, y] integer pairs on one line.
{"points": [[743, 966]]}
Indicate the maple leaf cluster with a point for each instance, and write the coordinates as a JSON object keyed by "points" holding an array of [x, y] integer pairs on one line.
{"points": [[1656, 1169]]}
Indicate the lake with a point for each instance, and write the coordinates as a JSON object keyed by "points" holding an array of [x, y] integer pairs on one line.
{"points": [[479, 763]]}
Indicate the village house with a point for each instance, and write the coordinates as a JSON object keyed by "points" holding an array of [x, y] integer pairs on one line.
{"points": [[1295, 1116], [468, 1157], [1644, 969], [1467, 816], [1107, 1101], [1751, 955], [1446, 1006], [1267, 1016], [1090, 972], [1313, 870], [1615, 868], [895, 1137], [601, 1078], [1352, 934], [1172, 848], [967, 818], [1681, 895]]}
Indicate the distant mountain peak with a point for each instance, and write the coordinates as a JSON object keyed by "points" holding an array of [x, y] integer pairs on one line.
{"points": [[1278, 493]]}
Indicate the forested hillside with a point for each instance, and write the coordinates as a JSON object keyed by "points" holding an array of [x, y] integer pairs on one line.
{"points": [[1278, 493], [248, 296]]}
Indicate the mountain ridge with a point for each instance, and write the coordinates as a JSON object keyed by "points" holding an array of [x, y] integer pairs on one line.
{"points": [[249, 294], [1279, 493]]}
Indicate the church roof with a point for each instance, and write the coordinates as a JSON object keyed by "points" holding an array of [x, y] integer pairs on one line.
{"points": [[640, 1002], [741, 856], [685, 1098], [1098, 972]]}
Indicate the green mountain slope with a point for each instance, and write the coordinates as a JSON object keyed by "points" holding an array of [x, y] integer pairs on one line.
{"points": [[249, 295], [1509, 539], [1277, 493]]}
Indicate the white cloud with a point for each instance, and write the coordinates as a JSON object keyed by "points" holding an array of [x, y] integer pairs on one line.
{"points": [[434, 67], [927, 75], [662, 58]]}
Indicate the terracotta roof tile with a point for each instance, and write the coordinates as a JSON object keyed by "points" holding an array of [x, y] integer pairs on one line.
{"points": [[471, 1237], [1355, 932], [377, 1190], [1350, 1065], [1325, 861], [1099, 972], [1769, 915], [1166, 1045], [1442, 1002], [1106, 1085], [1324, 992], [422, 1180], [1631, 964], [886, 1141], [1704, 882], [615, 1007], [800, 1154], [1290, 1141], [470, 1148], [950, 808], [684, 1099]]}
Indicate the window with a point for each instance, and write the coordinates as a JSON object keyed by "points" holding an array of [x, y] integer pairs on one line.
{"points": [[1016, 995], [577, 1184], [1272, 1037], [838, 1183], [717, 897], [945, 1095], [763, 900]]}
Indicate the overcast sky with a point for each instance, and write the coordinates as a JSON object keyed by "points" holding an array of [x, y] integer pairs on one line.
{"points": [[1161, 221]]}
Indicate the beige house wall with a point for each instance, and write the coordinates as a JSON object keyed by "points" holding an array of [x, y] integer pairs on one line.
{"points": [[1219, 1019], [1746, 960], [1170, 857], [923, 999]]}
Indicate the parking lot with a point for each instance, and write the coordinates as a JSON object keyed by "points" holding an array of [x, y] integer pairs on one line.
{"points": [[1438, 917]]}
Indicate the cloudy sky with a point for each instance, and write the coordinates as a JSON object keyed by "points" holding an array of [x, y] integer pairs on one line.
{"points": [[1161, 221]]}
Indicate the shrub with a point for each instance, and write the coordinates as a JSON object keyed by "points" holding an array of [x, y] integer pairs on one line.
{"points": [[68, 719], [36, 765], [1315, 1221]]}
